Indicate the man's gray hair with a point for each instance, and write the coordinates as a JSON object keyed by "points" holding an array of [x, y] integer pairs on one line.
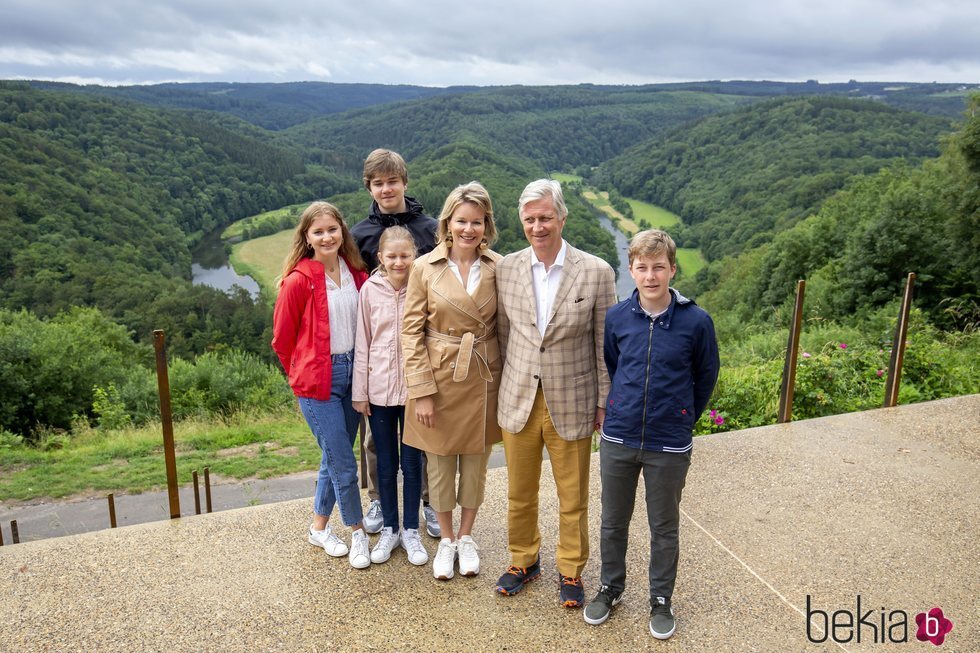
{"points": [[540, 189]]}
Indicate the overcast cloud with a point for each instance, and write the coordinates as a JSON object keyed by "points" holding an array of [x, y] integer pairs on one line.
{"points": [[442, 43]]}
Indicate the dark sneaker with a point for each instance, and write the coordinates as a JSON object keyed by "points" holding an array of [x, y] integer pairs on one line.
{"points": [[598, 609], [571, 593], [662, 624], [515, 578]]}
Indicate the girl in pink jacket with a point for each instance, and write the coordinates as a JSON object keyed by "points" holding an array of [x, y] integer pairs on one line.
{"points": [[379, 393]]}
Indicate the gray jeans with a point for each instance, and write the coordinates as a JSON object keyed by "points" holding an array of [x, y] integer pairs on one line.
{"points": [[664, 475]]}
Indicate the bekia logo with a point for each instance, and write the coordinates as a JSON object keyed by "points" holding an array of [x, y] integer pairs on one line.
{"points": [[933, 626], [876, 626]]}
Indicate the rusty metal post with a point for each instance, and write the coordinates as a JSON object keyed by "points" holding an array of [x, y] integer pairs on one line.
{"points": [[207, 488], [898, 346], [197, 494], [792, 350], [112, 510], [170, 458], [363, 427], [14, 533]]}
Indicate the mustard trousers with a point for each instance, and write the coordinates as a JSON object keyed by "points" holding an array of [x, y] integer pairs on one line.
{"points": [[570, 466]]}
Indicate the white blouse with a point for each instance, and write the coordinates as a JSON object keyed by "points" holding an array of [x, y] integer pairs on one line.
{"points": [[473, 282], [342, 310]]}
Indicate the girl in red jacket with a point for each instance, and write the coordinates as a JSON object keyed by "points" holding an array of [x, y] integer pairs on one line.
{"points": [[313, 329]]}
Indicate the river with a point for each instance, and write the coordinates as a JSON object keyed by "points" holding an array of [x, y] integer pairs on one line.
{"points": [[210, 267], [624, 282]]}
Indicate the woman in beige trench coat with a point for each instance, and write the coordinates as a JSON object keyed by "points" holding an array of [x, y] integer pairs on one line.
{"points": [[452, 368]]}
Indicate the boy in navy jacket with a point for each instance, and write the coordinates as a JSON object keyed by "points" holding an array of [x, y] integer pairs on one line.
{"points": [[662, 357]]}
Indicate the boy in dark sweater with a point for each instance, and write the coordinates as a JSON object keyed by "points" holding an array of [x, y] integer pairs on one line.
{"points": [[662, 357]]}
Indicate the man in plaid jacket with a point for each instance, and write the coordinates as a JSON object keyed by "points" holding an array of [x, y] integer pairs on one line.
{"points": [[551, 308]]}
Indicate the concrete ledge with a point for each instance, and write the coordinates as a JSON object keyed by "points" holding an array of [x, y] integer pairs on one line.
{"points": [[883, 504]]}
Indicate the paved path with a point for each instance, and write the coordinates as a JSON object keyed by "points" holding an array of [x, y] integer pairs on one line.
{"points": [[881, 505], [41, 520]]}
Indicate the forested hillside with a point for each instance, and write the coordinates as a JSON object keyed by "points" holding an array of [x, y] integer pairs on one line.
{"points": [[101, 197], [740, 178], [558, 127], [272, 106], [100, 200], [856, 251]]}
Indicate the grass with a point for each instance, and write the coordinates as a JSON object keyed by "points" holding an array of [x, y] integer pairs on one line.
{"points": [[565, 178], [235, 229], [261, 258], [600, 200], [132, 461], [689, 261], [658, 217]]}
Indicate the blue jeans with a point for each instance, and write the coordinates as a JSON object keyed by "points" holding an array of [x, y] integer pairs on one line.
{"points": [[334, 424], [387, 423]]}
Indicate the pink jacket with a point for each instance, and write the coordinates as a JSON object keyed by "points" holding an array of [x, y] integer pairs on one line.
{"points": [[379, 370]]}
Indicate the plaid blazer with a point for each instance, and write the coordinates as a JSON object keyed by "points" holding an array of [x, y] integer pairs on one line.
{"points": [[568, 359]]}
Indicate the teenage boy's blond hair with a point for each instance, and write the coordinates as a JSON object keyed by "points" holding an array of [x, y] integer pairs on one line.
{"points": [[384, 163], [651, 243]]}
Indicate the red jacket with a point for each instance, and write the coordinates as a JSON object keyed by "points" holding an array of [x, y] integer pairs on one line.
{"points": [[301, 328]]}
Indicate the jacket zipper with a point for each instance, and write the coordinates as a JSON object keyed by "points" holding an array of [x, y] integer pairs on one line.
{"points": [[646, 383]]}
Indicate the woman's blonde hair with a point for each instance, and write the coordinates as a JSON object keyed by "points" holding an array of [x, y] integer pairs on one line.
{"points": [[301, 249], [396, 234], [475, 193]]}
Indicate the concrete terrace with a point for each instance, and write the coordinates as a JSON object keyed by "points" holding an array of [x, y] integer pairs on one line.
{"points": [[882, 504]]}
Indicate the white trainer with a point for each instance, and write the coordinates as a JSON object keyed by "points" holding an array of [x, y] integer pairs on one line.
{"points": [[469, 558], [373, 518], [412, 543], [328, 541], [360, 555], [387, 543], [442, 565]]}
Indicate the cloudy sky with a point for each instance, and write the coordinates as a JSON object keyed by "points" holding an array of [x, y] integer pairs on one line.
{"points": [[442, 43]]}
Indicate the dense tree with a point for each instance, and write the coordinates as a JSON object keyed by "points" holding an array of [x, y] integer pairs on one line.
{"points": [[740, 178]]}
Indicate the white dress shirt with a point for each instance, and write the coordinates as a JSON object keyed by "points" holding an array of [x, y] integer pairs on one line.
{"points": [[546, 284]]}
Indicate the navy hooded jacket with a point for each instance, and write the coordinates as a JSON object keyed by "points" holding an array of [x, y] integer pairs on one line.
{"points": [[367, 233], [662, 370]]}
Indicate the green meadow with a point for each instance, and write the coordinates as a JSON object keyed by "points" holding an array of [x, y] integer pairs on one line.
{"points": [[565, 178], [261, 258], [657, 216]]}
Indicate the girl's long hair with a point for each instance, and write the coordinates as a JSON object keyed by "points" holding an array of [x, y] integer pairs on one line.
{"points": [[301, 249]]}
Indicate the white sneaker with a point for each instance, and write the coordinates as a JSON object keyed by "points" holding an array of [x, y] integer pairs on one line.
{"points": [[412, 543], [387, 543], [373, 519], [359, 556], [442, 566], [431, 521], [328, 541], [469, 559]]}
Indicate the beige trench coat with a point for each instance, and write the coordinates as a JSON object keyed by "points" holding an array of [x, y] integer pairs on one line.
{"points": [[449, 342]]}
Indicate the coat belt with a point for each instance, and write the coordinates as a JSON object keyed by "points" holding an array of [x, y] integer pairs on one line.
{"points": [[467, 350]]}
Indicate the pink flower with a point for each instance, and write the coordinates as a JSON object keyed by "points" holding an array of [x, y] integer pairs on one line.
{"points": [[719, 421], [843, 345], [713, 413], [880, 373], [806, 354]]}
